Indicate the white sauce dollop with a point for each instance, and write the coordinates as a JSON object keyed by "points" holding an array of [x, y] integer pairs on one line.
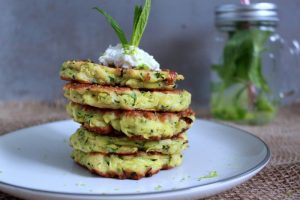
{"points": [[133, 57]]}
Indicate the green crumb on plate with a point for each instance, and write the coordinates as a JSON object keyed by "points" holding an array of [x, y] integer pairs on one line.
{"points": [[158, 187], [116, 189], [289, 193], [211, 174]]}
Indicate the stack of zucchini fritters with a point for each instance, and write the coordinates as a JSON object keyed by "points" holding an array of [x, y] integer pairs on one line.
{"points": [[133, 121]]}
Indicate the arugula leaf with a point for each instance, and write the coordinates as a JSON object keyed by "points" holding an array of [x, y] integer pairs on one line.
{"points": [[114, 24], [140, 22]]}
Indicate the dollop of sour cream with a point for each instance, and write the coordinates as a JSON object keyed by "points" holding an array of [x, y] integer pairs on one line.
{"points": [[131, 57]]}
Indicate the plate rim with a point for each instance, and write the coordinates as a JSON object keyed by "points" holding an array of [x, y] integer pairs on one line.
{"points": [[258, 166]]}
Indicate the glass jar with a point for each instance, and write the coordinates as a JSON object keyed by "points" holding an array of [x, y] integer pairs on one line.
{"points": [[246, 68]]}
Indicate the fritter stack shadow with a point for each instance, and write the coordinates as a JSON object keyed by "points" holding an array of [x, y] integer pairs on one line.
{"points": [[134, 122]]}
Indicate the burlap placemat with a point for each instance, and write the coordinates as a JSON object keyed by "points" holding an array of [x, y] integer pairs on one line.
{"points": [[279, 180]]}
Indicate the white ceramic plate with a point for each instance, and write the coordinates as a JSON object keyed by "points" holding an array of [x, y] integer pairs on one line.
{"points": [[35, 163]]}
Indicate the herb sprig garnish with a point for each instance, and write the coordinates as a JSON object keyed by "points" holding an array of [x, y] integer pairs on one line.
{"points": [[114, 24], [140, 19]]}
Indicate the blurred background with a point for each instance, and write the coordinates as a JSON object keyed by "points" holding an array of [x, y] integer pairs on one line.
{"points": [[36, 36]]}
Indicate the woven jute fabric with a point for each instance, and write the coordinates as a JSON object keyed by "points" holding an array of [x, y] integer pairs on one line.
{"points": [[279, 180]]}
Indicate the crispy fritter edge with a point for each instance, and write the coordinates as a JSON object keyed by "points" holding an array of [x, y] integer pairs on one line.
{"points": [[126, 174], [115, 133], [96, 88]]}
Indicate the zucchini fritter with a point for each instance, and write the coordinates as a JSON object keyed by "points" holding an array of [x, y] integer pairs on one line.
{"points": [[134, 124], [127, 99], [126, 166], [92, 73], [88, 142]]}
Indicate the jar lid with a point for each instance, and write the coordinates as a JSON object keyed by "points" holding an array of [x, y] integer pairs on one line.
{"points": [[228, 14]]}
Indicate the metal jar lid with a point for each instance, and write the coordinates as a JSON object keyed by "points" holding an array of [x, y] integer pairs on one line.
{"points": [[229, 14]]}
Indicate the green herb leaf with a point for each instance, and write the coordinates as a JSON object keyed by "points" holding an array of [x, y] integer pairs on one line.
{"points": [[242, 59], [241, 69], [140, 22], [158, 187], [140, 19], [143, 66], [255, 73], [211, 174], [114, 24], [137, 13], [133, 96]]}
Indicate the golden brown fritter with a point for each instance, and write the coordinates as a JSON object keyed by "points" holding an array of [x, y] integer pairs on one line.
{"points": [[127, 99], [126, 166], [88, 142], [92, 73], [134, 124]]}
